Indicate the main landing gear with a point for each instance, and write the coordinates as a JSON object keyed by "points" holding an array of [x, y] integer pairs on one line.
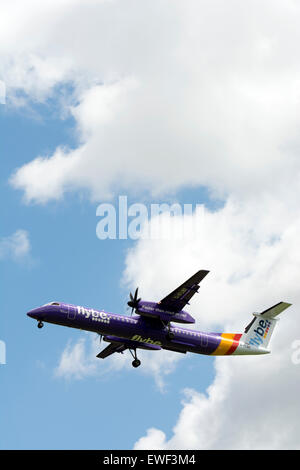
{"points": [[40, 324], [136, 362]]}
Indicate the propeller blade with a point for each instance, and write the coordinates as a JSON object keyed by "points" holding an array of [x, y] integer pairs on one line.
{"points": [[136, 294], [134, 300]]}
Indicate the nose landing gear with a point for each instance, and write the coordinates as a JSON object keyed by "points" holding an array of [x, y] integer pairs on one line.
{"points": [[40, 324]]}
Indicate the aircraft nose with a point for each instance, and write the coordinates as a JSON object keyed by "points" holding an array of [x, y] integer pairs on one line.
{"points": [[30, 313], [35, 313]]}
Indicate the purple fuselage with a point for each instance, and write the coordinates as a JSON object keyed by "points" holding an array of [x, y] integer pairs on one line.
{"points": [[139, 330]]}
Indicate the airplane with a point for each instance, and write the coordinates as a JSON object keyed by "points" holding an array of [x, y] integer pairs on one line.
{"points": [[152, 325]]}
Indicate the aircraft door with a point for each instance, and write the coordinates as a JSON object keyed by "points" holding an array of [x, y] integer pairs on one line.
{"points": [[204, 340], [69, 311]]}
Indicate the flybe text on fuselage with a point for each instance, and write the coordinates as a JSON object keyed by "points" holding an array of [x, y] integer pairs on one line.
{"points": [[91, 313]]}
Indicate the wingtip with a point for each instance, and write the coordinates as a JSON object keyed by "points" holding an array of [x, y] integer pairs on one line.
{"points": [[287, 304], [203, 272]]}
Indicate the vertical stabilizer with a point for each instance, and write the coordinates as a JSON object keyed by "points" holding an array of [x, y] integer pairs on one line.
{"points": [[259, 331]]}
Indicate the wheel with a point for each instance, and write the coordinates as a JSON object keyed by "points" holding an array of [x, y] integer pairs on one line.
{"points": [[40, 324], [136, 363]]}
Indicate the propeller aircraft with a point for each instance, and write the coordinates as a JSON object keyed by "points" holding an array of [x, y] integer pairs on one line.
{"points": [[151, 325]]}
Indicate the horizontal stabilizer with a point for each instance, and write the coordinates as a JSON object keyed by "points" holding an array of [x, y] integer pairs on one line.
{"points": [[275, 310], [271, 312]]}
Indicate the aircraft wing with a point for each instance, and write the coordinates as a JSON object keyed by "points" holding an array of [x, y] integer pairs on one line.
{"points": [[111, 349], [181, 296], [121, 344]]}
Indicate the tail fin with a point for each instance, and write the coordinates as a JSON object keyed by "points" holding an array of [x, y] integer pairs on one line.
{"points": [[259, 331]]}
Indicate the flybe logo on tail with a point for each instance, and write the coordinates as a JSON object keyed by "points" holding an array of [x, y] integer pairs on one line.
{"points": [[260, 333]]}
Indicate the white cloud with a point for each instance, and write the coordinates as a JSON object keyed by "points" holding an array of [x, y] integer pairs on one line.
{"points": [[214, 101], [251, 252], [15, 246], [253, 401], [73, 363], [252, 404], [78, 361], [238, 244]]}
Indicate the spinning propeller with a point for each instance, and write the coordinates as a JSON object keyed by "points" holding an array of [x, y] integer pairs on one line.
{"points": [[134, 301]]}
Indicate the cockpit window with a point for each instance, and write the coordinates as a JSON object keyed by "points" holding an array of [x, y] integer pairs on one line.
{"points": [[52, 303]]}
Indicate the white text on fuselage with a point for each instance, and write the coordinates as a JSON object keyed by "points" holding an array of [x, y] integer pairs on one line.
{"points": [[93, 314], [156, 309]]}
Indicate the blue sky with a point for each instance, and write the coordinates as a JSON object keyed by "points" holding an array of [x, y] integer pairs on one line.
{"points": [[68, 262]]}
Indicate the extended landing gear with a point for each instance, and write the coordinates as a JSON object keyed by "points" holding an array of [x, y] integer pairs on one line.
{"points": [[136, 362], [40, 324]]}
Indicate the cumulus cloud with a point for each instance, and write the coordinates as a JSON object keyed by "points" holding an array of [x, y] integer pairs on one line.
{"points": [[251, 404], [15, 246], [254, 264], [73, 362], [243, 250], [78, 361], [167, 95]]}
